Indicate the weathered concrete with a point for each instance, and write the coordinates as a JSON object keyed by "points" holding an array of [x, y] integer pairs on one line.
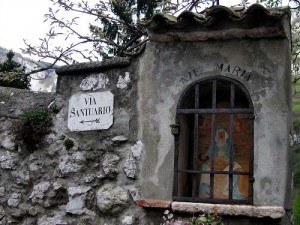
{"points": [[271, 100]]}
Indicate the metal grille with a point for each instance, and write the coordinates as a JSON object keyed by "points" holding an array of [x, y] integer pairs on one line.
{"points": [[195, 113]]}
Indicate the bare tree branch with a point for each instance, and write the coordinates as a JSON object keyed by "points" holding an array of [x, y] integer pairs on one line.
{"points": [[114, 32]]}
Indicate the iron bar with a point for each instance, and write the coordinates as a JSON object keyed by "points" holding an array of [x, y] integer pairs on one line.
{"points": [[211, 200], [196, 135], [251, 161], [231, 158], [214, 172], [176, 157], [214, 111], [213, 133]]}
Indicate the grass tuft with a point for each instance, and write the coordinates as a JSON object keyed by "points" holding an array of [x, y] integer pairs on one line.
{"points": [[297, 209]]}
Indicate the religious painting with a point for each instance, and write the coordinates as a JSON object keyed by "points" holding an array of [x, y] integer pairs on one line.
{"points": [[214, 155]]}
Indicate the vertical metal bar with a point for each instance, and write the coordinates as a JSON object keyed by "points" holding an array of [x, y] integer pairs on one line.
{"points": [[196, 142], [213, 133], [251, 160], [176, 157], [232, 95], [231, 156]]}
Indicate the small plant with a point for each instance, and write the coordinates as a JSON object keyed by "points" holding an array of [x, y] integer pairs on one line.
{"points": [[203, 219], [297, 209], [31, 127], [68, 143]]}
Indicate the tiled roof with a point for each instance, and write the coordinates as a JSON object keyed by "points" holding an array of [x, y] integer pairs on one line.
{"points": [[220, 18], [256, 15]]}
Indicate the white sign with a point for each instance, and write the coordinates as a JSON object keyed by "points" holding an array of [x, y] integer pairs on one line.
{"points": [[91, 111]]}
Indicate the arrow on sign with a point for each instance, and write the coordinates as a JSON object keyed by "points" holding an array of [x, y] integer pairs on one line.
{"points": [[90, 121]]}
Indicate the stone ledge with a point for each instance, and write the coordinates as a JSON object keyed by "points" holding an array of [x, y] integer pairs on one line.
{"points": [[274, 212], [93, 66], [161, 204]]}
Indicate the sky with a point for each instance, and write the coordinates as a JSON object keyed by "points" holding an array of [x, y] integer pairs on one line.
{"points": [[21, 19], [24, 19]]}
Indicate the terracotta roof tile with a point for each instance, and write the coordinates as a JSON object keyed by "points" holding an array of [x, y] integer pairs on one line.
{"points": [[218, 17], [219, 22]]}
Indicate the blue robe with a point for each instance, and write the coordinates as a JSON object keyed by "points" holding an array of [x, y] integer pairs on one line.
{"points": [[219, 153]]}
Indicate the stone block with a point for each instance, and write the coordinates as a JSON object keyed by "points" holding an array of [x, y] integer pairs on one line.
{"points": [[14, 200], [119, 139], [130, 166], [109, 166], [9, 160], [39, 191], [112, 199], [78, 200], [127, 220], [71, 163]]}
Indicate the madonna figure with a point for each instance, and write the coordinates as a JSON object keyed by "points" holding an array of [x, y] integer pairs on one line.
{"points": [[221, 163]]}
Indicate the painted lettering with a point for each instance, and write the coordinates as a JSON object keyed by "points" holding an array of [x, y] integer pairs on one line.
{"points": [[227, 69], [90, 101], [243, 73], [237, 71], [196, 72], [247, 76], [108, 110], [220, 68], [191, 74], [100, 110], [90, 111], [82, 111], [72, 112], [184, 79]]}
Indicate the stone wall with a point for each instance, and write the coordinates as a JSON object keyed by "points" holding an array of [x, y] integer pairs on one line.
{"points": [[94, 182]]}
